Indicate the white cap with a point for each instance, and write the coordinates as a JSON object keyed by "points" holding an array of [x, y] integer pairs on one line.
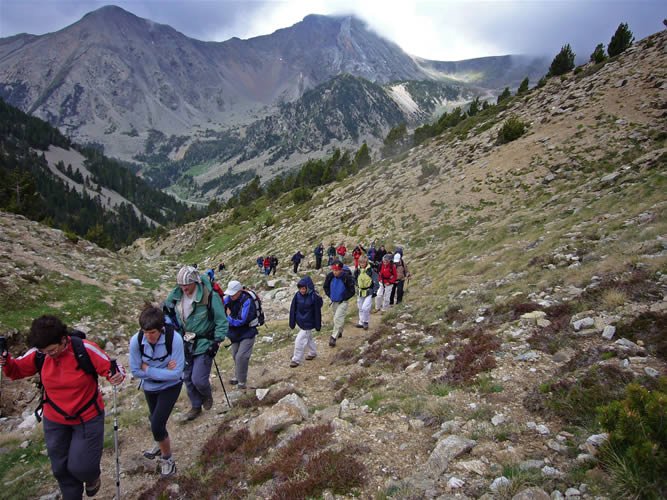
{"points": [[397, 258], [233, 287]]}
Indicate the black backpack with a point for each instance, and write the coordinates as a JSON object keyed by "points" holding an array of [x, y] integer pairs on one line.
{"points": [[84, 363], [168, 342], [259, 318]]}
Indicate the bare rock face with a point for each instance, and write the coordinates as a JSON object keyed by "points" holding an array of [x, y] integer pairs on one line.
{"points": [[289, 410], [446, 450]]}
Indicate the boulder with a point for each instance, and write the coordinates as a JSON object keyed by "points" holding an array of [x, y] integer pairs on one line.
{"points": [[289, 410], [446, 450]]}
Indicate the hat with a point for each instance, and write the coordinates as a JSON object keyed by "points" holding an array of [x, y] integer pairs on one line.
{"points": [[233, 287], [337, 265], [397, 258], [187, 275]]}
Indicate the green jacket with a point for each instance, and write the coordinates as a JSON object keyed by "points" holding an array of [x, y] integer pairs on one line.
{"points": [[207, 331]]}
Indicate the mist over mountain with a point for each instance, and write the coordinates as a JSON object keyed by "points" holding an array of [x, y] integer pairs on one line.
{"points": [[113, 77]]}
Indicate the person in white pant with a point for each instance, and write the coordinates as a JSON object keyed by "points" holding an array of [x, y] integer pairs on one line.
{"points": [[387, 276], [365, 288], [306, 312]]}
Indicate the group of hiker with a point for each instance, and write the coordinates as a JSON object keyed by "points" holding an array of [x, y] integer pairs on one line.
{"points": [[177, 345], [268, 264]]}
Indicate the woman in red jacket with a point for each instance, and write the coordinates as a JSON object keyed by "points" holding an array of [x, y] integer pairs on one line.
{"points": [[387, 277], [73, 405]]}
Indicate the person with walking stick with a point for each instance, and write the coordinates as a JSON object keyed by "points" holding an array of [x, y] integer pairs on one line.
{"points": [[157, 359], [242, 318], [199, 312], [73, 408]]}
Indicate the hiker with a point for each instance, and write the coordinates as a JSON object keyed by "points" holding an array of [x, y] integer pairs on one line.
{"points": [[366, 279], [201, 316], [211, 275], [296, 260], [242, 317], [274, 265], [356, 253], [319, 253], [341, 251], [72, 402], [157, 359], [260, 263], [306, 312], [221, 267], [339, 287], [402, 274], [371, 253], [331, 253], [387, 278], [267, 265], [379, 254]]}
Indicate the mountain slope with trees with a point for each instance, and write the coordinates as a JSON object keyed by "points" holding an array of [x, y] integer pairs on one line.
{"points": [[73, 201]]}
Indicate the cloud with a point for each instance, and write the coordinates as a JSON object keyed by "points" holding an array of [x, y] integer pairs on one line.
{"points": [[433, 29]]}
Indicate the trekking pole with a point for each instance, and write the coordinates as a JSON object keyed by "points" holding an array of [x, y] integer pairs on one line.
{"points": [[114, 370], [3, 348], [223, 385]]}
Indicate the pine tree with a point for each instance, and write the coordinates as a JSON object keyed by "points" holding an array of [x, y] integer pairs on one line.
{"points": [[598, 54], [563, 62], [621, 40], [523, 88], [504, 96], [363, 156], [475, 107]]}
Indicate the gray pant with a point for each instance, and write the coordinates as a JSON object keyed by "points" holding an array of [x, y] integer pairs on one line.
{"points": [[339, 313], [75, 452], [196, 376], [241, 352]]}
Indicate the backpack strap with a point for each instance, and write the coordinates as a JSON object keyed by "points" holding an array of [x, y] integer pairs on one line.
{"points": [[84, 363], [168, 342]]}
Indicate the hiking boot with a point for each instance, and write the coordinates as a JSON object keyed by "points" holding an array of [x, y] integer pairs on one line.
{"points": [[93, 487], [340, 333], [359, 325], [153, 452], [167, 467], [332, 342], [193, 413], [310, 357], [207, 403], [233, 381], [365, 326], [293, 364]]}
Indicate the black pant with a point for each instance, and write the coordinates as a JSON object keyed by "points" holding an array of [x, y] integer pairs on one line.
{"points": [[296, 267], [160, 405], [397, 292], [318, 261]]}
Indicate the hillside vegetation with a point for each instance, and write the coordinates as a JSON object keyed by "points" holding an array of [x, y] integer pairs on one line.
{"points": [[537, 298]]}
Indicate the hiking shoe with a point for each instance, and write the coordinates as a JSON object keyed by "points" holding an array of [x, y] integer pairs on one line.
{"points": [[293, 364], [167, 467], [233, 381], [359, 325], [193, 413], [93, 487], [310, 357], [207, 403], [340, 334], [153, 452], [365, 326], [332, 342]]}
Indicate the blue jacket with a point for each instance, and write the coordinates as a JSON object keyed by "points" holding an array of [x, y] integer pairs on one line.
{"points": [[242, 312], [306, 310], [157, 376], [339, 289]]}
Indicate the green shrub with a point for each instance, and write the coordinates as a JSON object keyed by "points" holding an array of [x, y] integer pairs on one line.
{"points": [[598, 54], [512, 129], [300, 195], [636, 453], [563, 62]]}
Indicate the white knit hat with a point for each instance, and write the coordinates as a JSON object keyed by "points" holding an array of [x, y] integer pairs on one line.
{"points": [[187, 275]]}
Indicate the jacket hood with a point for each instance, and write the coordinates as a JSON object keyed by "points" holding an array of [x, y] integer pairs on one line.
{"points": [[307, 282]]}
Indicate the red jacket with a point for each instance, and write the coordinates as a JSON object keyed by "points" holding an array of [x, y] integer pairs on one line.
{"points": [[267, 262], [65, 383], [341, 250], [387, 274]]}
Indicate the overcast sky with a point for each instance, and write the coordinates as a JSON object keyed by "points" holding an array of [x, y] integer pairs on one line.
{"points": [[434, 29]]}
